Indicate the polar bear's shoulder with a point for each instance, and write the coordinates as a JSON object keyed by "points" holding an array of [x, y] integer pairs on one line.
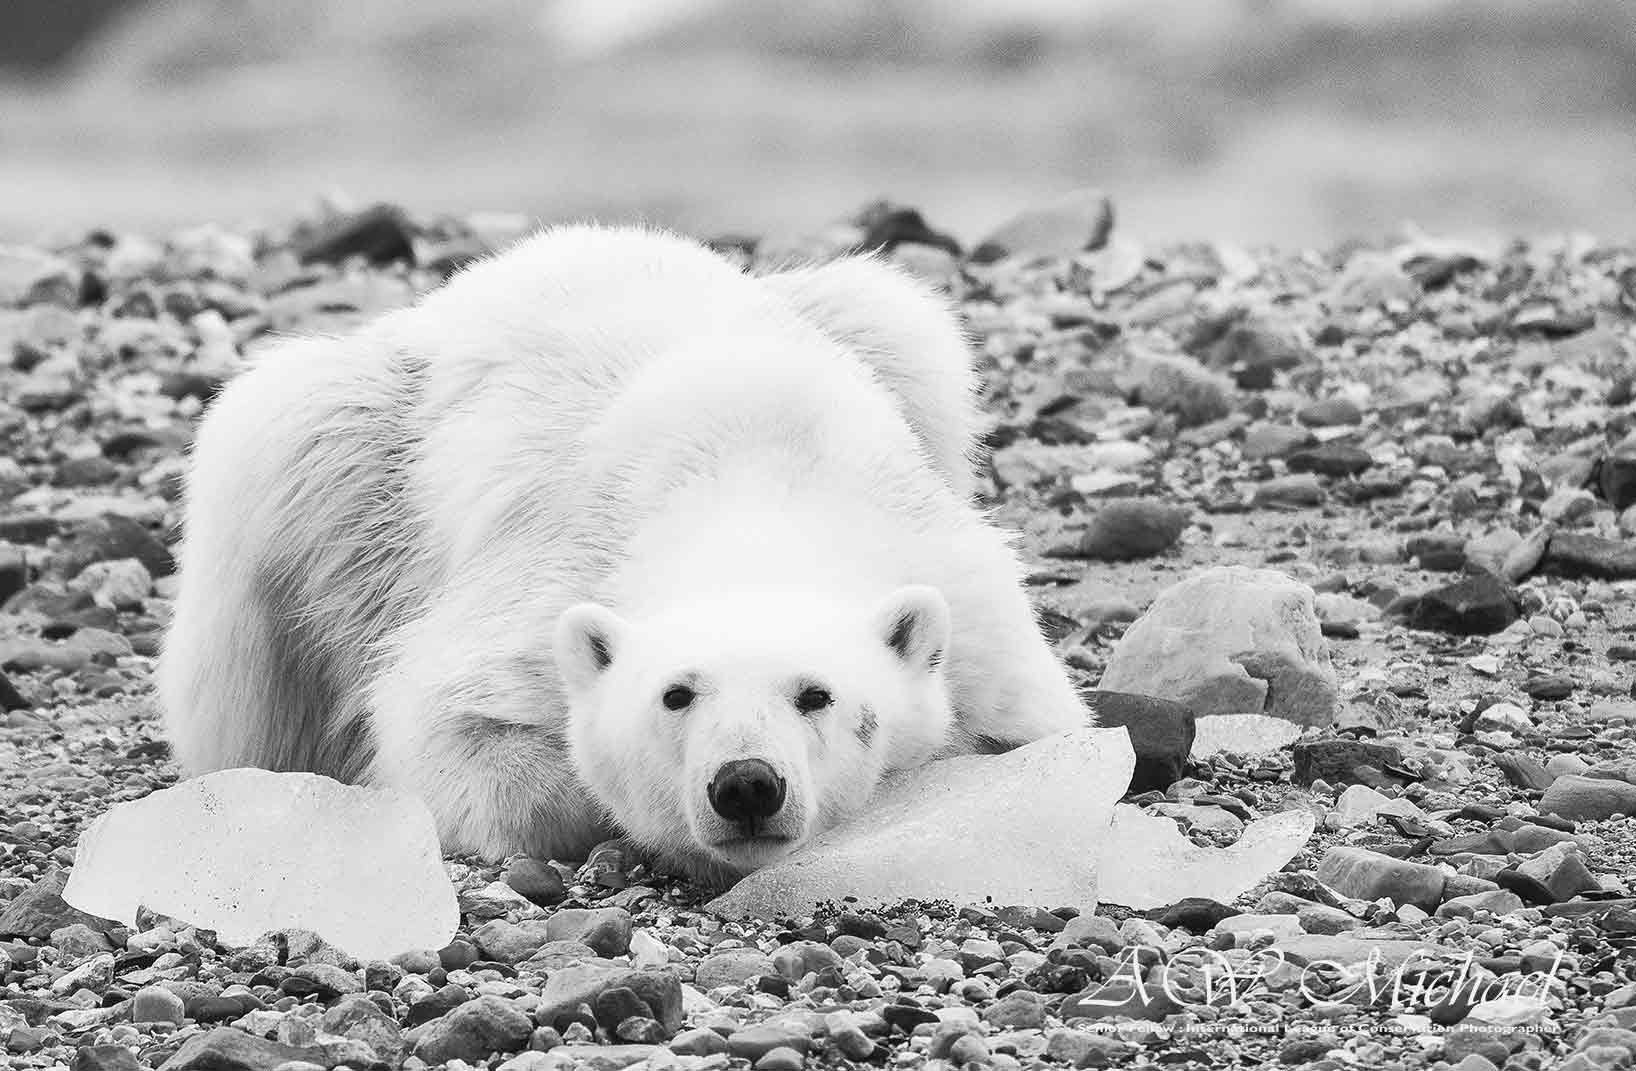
{"points": [[577, 263]]}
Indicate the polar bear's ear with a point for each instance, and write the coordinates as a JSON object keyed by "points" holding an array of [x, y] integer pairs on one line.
{"points": [[914, 623], [587, 641]]}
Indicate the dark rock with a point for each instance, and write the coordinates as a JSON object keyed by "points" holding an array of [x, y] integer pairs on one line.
{"points": [[473, 1030], [437, 1005], [886, 226], [1255, 353], [1524, 771], [210, 1008], [1572, 554], [32, 528], [1132, 528], [1196, 914], [1299, 491], [754, 1042], [1161, 733], [607, 929], [905, 1017], [1336, 460], [1576, 797], [1550, 687], [379, 234], [537, 881], [10, 698], [1616, 478], [1348, 762], [1330, 413], [1476, 606], [616, 1004], [105, 1058], [360, 1018], [41, 909], [855, 924], [1072, 223], [112, 537], [13, 571], [226, 1049], [566, 989], [1121, 997]]}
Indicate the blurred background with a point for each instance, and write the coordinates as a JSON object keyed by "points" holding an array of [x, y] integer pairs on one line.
{"points": [[1276, 121]]}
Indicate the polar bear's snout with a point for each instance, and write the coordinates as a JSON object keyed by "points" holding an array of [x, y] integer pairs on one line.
{"points": [[746, 792]]}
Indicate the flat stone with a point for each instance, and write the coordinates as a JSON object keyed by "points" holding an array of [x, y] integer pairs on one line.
{"points": [[1161, 732], [1578, 798], [1230, 640], [1367, 875]]}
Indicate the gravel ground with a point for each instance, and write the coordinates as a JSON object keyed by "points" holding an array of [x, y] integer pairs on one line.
{"points": [[1438, 439]]}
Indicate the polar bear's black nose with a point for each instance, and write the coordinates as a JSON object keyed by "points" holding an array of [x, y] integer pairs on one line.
{"points": [[745, 790]]}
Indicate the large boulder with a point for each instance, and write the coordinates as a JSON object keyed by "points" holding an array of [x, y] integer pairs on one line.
{"points": [[1230, 640]]}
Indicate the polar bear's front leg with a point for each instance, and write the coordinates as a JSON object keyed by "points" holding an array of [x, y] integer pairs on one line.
{"points": [[1009, 686], [468, 717]]}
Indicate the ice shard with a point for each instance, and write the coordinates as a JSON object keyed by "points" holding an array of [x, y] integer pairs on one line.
{"points": [[1026, 827], [1149, 863], [244, 852]]}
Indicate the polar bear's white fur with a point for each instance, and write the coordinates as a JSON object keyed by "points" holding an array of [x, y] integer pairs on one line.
{"points": [[483, 549]]}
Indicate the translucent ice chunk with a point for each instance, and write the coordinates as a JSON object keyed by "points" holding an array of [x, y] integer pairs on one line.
{"points": [[243, 852], [1242, 734], [1148, 863], [1025, 827]]}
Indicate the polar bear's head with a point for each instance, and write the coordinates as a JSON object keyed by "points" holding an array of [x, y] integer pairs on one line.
{"points": [[726, 732]]}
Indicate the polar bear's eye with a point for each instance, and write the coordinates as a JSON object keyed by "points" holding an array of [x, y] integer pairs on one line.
{"points": [[678, 697], [812, 700]]}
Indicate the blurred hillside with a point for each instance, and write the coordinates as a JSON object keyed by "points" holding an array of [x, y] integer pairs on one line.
{"points": [[1289, 121]]}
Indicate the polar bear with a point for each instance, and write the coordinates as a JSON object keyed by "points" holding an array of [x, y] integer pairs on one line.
{"points": [[607, 536]]}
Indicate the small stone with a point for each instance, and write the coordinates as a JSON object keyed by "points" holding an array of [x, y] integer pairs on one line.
{"points": [[33, 277], [781, 1059], [1074, 222], [1018, 1011], [1299, 491], [380, 235], [607, 930], [227, 1049], [753, 1042], [473, 1030], [798, 959], [1337, 460], [1572, 554], [698, 1042], [1476, 606], [1196, 914], [41, 909], [1347, 762], [537, 881], [1550, 687], [1330, 413], [155, 1005], [509, 942], [1588, 798], [104, 1058], [1161, 733], [1133, 528], [1524, 771], [1084, 1048], [1230, 640], [733, 967], [1263, 442], [1367, 875]]}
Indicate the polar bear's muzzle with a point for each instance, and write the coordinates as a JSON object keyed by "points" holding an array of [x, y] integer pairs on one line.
{"points": [[747, 792], [754, 817]]}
